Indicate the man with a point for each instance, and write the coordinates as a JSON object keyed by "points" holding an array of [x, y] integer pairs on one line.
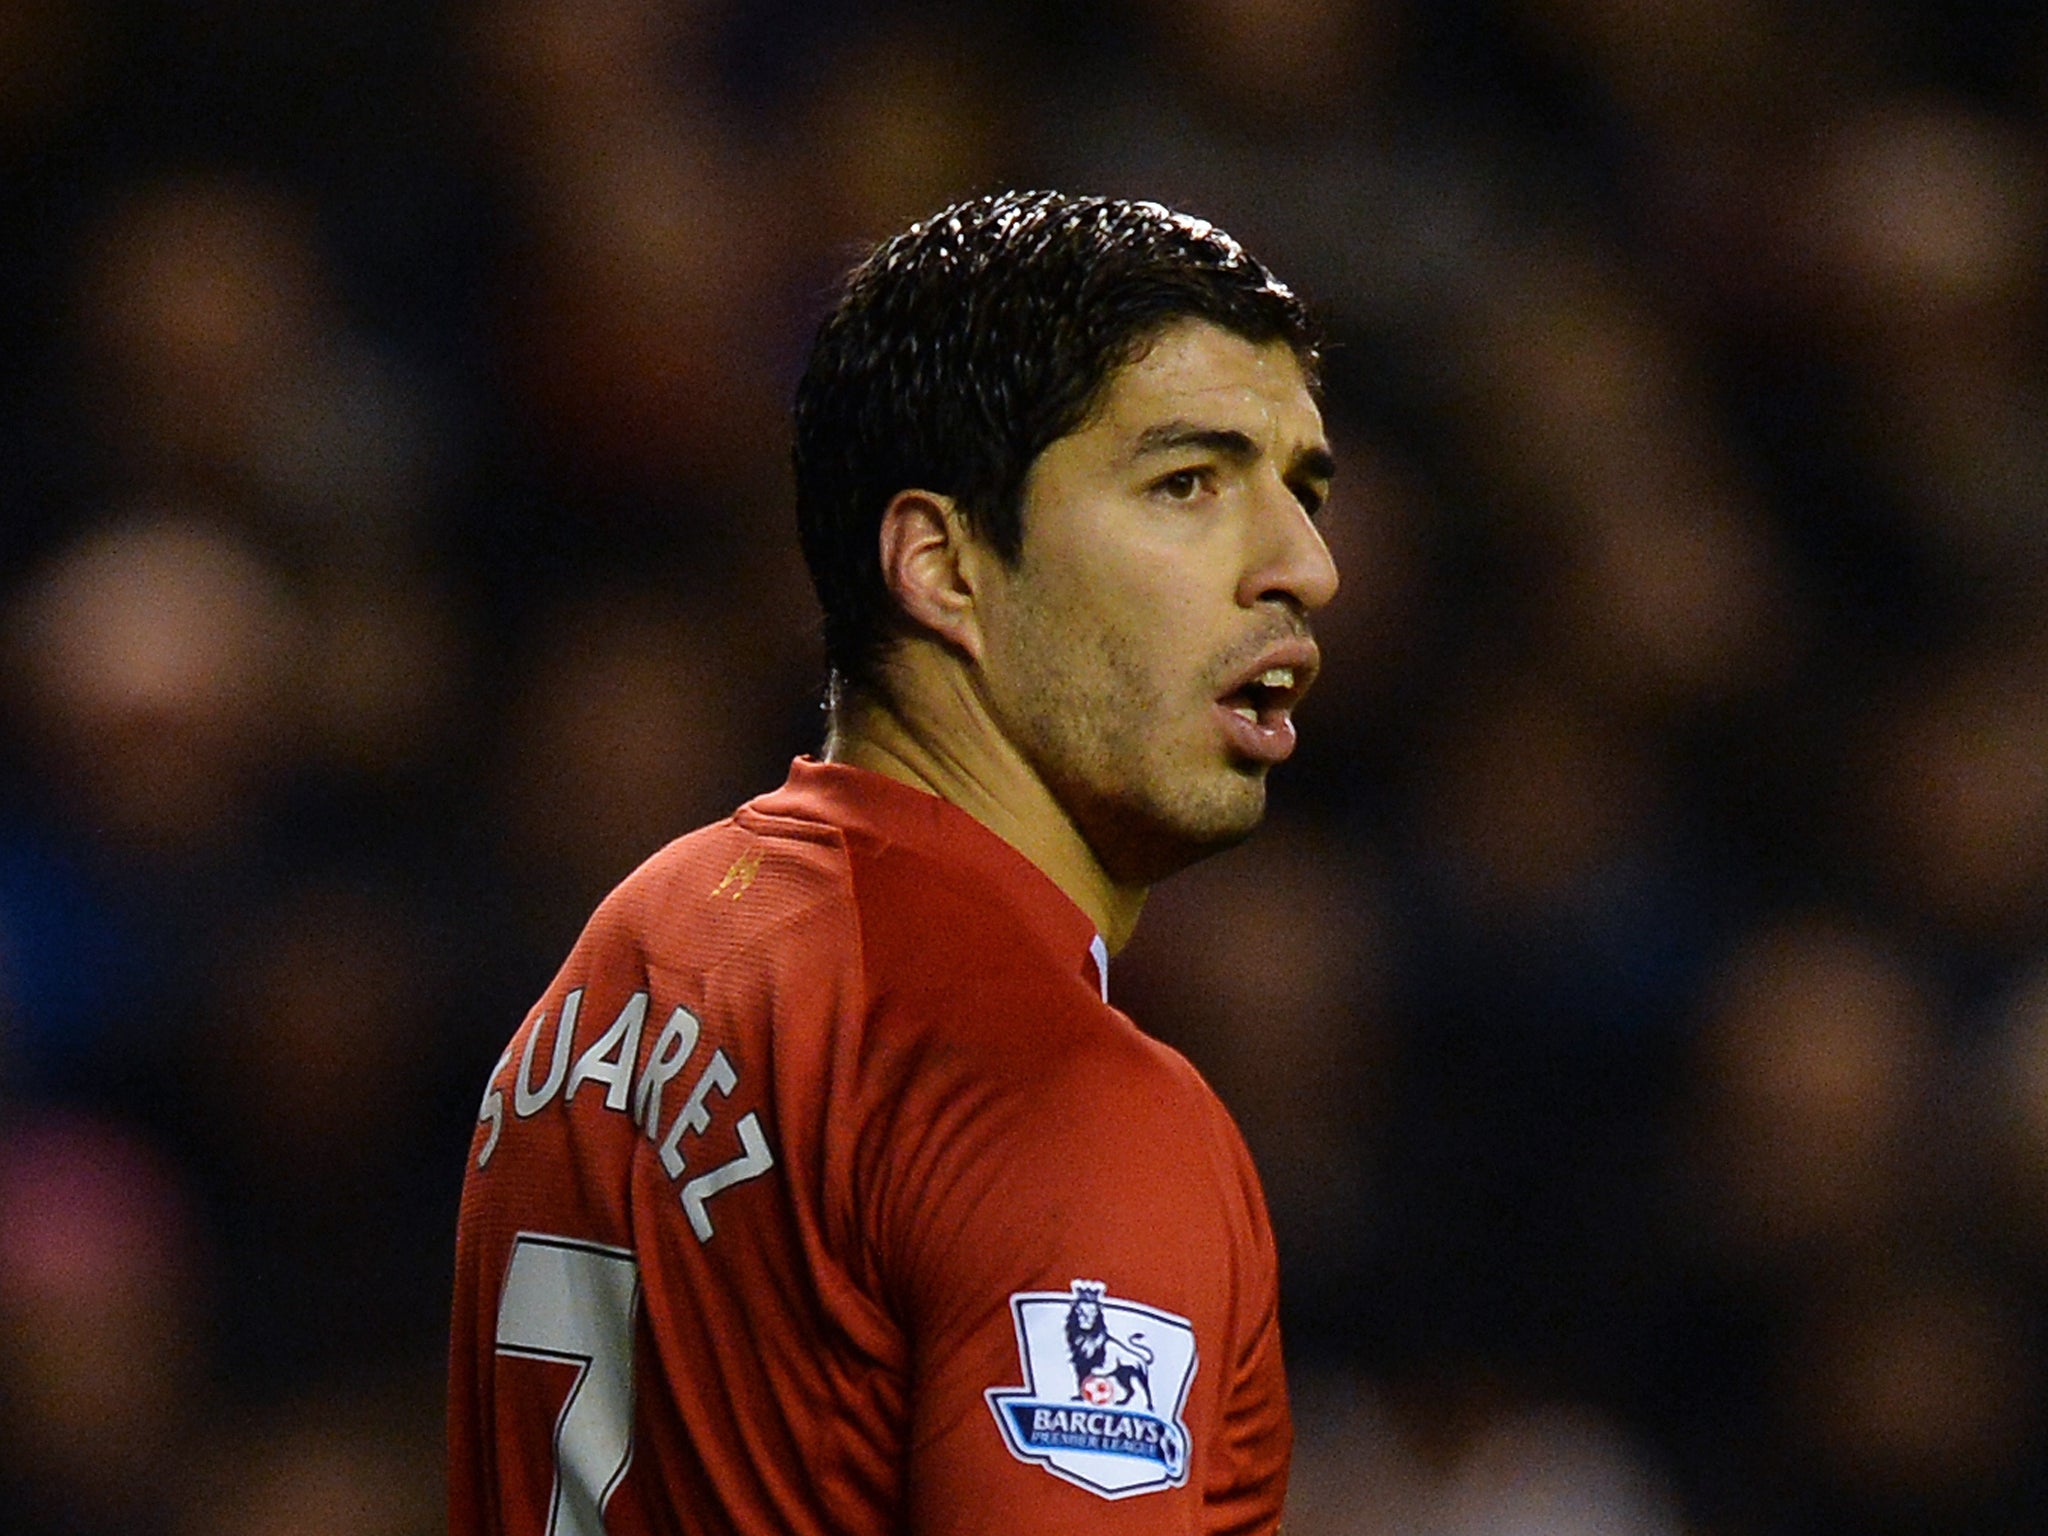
{"points": [[823, 1191]]}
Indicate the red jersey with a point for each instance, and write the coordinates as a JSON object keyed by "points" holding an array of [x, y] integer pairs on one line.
{"points": [[823, 1192]]}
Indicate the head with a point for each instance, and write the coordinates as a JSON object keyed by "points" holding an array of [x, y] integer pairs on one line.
{"points": [[1072, 447], [1086, 1312], [963, 348]]}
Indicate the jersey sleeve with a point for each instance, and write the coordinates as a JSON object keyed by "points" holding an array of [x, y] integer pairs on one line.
{"points": [[1083, 1264]]}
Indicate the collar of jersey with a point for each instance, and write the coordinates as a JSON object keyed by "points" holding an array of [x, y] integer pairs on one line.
{"points": [[860, 799]]}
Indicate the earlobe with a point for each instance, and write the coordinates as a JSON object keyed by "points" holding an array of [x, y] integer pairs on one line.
{"points": [[927, 568]]}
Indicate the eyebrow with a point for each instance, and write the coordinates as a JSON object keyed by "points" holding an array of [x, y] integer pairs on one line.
{"points": [[1315, 463]]}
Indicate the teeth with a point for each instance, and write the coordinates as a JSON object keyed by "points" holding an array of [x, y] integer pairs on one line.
{"points": [[1272, 680]]}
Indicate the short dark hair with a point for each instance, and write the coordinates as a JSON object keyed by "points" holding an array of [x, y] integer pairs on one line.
{"points": [[963, 347]]}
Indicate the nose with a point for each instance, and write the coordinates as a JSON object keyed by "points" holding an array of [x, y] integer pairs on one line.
{"points": [[1288, 560]]}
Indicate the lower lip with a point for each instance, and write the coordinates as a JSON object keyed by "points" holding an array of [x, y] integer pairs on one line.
{"points": [[1269, 739]]}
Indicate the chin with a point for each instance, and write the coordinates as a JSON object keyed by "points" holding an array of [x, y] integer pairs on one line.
{"points": [[1143, 843]]}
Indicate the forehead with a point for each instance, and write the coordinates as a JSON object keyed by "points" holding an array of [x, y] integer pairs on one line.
{"points": [[1197, 370]]}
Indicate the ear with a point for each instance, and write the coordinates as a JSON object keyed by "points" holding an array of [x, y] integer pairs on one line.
{"points": [[928, 565]]}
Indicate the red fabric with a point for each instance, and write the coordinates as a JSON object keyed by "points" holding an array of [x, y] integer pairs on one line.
{"points": [[910, 1016]]}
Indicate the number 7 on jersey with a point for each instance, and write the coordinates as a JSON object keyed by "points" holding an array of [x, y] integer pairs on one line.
{"points": [[575, 1303]]}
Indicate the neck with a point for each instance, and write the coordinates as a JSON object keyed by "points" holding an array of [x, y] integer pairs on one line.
{"points": [[947, 746]]}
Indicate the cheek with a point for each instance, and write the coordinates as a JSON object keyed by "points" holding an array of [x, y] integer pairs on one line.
{"points": [[1157, 635], [1116, 641], [1145, 684]]}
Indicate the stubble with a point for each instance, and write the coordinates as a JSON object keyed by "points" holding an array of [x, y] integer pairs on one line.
{"points": [[1128, 755]]}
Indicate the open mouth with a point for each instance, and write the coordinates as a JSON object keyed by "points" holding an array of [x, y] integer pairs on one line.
{"points": [[1257, 716], [1265, 699]]}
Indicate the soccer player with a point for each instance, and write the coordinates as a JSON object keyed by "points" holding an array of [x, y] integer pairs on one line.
{"points": [[824, 1191]]}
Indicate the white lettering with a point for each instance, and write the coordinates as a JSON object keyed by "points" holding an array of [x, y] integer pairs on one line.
{"points": [[753, 1161], [610, 1058], [718, 1074], [492, 1109], [527, 1101], [678, 1038]]}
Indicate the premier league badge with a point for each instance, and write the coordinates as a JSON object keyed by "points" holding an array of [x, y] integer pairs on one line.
{"points": [[1105, 1382]]}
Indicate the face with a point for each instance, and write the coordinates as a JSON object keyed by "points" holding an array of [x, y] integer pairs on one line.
{"points": [[1146, 651]]}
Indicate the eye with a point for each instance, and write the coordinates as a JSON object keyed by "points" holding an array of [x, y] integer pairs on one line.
{"points": [[1311, 490], [1182, 484]]}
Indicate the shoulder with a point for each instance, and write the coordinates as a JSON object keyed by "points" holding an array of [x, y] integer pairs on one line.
{"points": [[995, 1070], [938, 929], [1043, 1138], [725, 889]]}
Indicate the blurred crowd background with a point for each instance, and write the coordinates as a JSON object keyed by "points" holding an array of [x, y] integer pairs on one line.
{"points": [[1639, 1003]]}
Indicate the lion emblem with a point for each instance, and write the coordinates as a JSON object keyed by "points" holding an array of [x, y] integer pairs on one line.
{"points": [[1105, 1365]]}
